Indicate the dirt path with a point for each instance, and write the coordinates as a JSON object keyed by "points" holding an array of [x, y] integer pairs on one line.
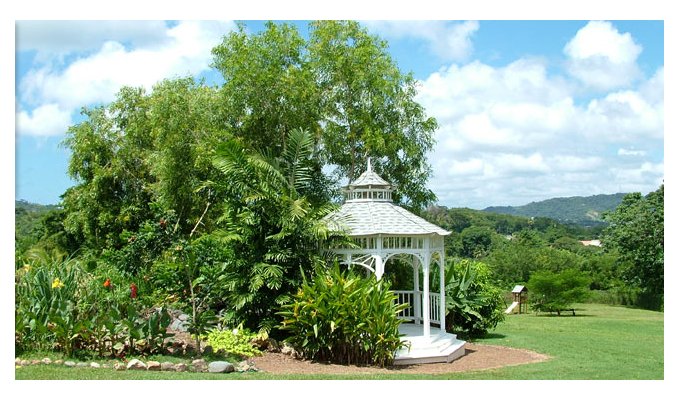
{"points": [[477, 357]]}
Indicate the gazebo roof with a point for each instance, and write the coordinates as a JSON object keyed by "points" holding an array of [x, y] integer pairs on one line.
{"points": [[369, 215], [381, 217], [369, 178]]}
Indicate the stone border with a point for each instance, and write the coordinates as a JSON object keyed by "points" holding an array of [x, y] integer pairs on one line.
{"points": [[199, 365]]}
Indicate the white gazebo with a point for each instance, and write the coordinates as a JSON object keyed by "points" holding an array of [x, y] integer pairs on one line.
{"points": [[382, 230]]}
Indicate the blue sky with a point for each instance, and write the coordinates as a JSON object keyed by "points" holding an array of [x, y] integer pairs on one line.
{"points": [[528, 110]]}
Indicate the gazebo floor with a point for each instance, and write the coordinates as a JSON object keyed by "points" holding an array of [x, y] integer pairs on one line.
{"points": [[440, 346]]}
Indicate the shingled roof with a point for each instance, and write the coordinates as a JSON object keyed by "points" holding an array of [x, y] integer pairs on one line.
{"points": [[369, 216]]}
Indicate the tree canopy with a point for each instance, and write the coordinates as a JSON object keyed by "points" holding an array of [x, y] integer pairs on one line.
{"points": [[636, 230], [342, 86]]}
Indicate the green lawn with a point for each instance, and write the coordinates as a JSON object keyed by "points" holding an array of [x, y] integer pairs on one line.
{"points": [[600, 342]]}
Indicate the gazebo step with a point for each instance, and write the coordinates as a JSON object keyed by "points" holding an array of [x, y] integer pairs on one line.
{"points": [[439, 342], [449, 353], [445, 348]]}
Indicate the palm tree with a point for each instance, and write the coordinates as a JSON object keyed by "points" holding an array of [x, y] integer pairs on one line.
{"points": [[272, 220]]}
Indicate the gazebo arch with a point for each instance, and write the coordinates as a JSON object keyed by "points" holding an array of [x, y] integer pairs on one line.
{"points": [[382, 230]]}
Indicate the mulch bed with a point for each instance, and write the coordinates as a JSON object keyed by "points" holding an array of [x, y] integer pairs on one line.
{"points": [[477, 357]]}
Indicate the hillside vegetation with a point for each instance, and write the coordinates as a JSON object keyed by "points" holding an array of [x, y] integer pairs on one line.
{"points": [[586, 211], [29, 223]]}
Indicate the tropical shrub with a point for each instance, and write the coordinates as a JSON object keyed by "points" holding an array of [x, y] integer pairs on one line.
{"points": [[340, 316], [473, 304], [45, 310], [236, 342], [554, 291], [272, 224], [60, 306]]}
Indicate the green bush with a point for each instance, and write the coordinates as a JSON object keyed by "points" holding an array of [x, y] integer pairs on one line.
{"points": [[554, 291], [345, 318], [473, 304], [236, 342]]}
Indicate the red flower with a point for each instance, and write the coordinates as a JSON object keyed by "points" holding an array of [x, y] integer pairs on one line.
{"points": [[107, 283], [133, 291]]}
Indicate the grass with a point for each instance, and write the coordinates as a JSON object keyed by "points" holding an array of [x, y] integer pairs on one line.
{"points": [[600, 342]]}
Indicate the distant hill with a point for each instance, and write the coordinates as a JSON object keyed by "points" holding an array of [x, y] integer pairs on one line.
{"points": [[27, 222], [585, 211]]}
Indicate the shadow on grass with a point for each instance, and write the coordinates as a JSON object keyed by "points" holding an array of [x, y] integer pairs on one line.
{"points": [[489, 336], [562, 315]]}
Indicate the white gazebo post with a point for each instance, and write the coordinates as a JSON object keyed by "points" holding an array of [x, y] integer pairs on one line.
{"points": [[416, 291], [426, 291], [442, 290]]}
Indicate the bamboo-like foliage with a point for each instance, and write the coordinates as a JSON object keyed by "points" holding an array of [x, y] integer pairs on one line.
{"points": [[339, 316]]}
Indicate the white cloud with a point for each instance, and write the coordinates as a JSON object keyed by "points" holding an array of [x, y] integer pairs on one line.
{"points": [[602, 58], [631, 152], [514, 134], [511, 163], [574, 163], [46, 120], [97, 77], [55, 38], [623, 116], [472, 167], [447, 40], [642, 174]]}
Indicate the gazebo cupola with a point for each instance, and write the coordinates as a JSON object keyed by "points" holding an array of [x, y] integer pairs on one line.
{"points": [[368, 187], [382, 230]]}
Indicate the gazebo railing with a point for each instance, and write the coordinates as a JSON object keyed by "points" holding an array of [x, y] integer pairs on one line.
{"points": [[409, 313]]}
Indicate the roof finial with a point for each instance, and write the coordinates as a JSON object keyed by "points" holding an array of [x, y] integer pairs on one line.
{"points": [[368, 165]]}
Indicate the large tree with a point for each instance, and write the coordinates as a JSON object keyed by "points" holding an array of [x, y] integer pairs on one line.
{"points": [[341, 85], [269, 89], [636, 230], [109, 160], [145, 157]]}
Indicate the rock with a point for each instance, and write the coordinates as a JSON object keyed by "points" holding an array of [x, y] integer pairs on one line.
{"points": [[69, 363], [135, 364], [288, 350], [119, 366], [82, 364], [181, 367], [180, 326], [35, 362], [273, 346], [199, 365], [167, 366], [58, 362], [183, 317], [218, 367], [246, 366], [46, 361], [24, 363], [17, 361], [153, 366], [259, 343], [95, 365]]}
